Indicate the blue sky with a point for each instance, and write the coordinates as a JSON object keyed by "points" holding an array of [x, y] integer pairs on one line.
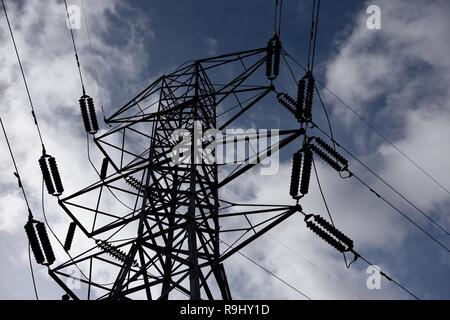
{"points": [[396, 77]]}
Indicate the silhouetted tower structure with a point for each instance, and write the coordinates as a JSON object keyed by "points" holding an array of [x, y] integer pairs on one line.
{"points": [[157, 223]]}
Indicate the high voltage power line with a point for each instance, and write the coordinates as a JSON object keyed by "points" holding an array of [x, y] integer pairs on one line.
{"points": [[22, 188], [149, 185], [372, 127]]}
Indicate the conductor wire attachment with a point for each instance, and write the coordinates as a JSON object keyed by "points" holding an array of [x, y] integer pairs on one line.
{"points": [[329, 233]]}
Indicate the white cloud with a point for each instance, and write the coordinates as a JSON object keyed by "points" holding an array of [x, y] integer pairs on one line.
{"points": [[399, 78], [46, 51], [404, 65], [359, 215]]}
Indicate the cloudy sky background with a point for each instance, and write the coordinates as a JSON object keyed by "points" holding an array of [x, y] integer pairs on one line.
{"points": [[396, 77]]}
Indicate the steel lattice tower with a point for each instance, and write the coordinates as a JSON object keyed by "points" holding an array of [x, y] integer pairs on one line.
{"points": [[159, 222], [156, 224]]}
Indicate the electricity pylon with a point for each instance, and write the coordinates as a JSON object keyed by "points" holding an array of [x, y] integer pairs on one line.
{"points": [[157, 224]]}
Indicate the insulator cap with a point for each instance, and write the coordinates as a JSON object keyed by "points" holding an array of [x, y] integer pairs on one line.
{"points": [[45, 242], [88, 114], [325, 236], [39, 242], [114, 251], [306, 171], [300, 100], [46, 175], [310, 86], [70, 235], [104, 170], [331, 151], [92, 114], [328, 154], [276, 57], [84, 114], [133, 182], [329, 233], [56, 176], [334, 231], [326, 158], [34, 242], [295, 174], [51, 176], [287, 102], [269, 60], [273, 58]]}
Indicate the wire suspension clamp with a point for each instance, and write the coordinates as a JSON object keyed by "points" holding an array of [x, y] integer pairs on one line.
{"points": [[329, 233], [328, 154]]}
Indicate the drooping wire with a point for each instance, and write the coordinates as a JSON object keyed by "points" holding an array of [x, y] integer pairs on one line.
{"points": [[389, 278], [94, 64], [375, 130], [269, 272], [59, 240], [400, 212], [325, 202], [390, 203], [312, 43], [300, 256], [433, 221], [327, 116], [393, 206], [99, 174], [321, 193], [33, 113], [330, 128], [331, 137], [296, 253], [74, 47], [289, 67], [44, 214]]}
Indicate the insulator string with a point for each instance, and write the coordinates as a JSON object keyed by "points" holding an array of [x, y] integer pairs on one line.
{"points": [[375, 130]]}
